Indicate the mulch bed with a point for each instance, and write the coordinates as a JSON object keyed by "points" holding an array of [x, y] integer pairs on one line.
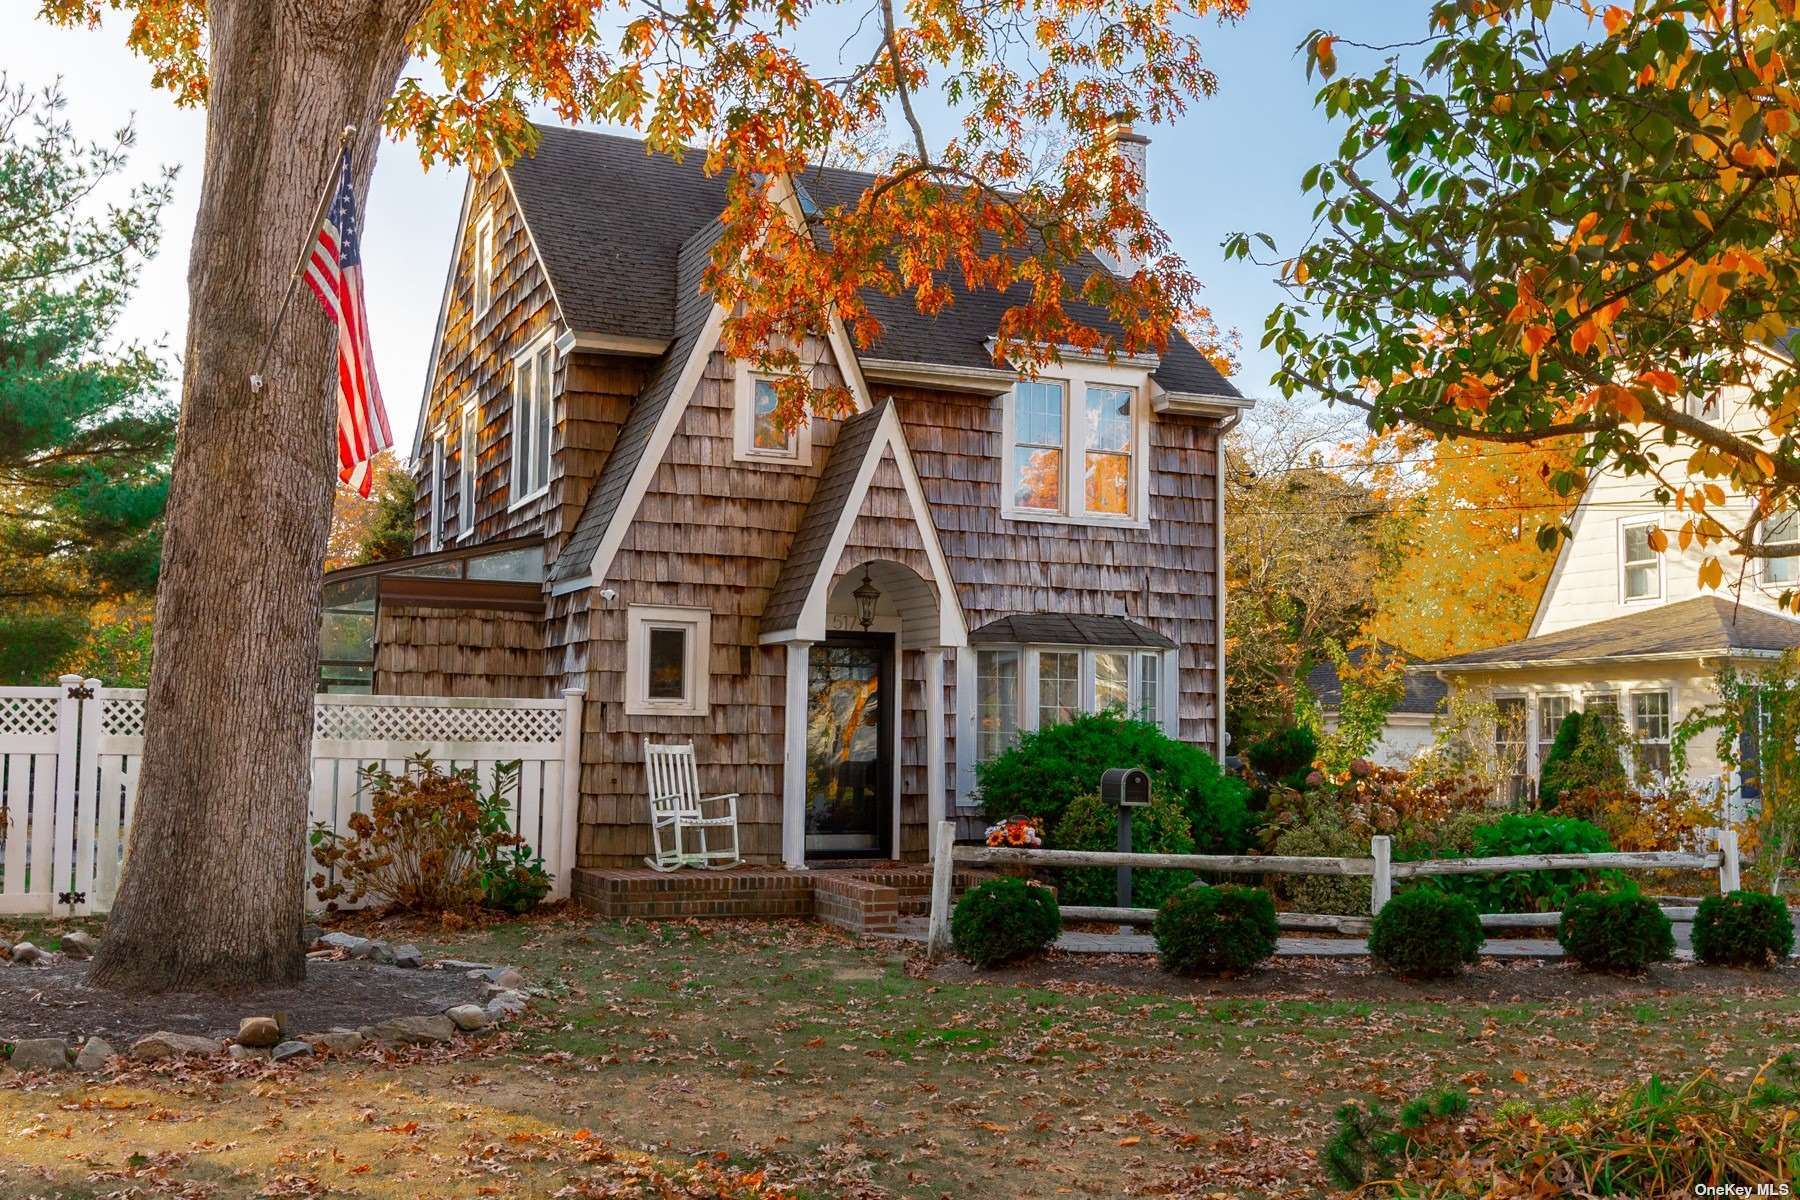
{"points": [[1491, 981], [54, 1001]]}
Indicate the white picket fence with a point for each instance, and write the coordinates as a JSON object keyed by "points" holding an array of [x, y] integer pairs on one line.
{"points": [[69, 760]]}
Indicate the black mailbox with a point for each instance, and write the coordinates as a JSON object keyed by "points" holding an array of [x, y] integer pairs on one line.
{"points": [[1125, 787]]}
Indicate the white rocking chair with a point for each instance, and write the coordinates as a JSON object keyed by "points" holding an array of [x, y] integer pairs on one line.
{"points": [[675, 809]]}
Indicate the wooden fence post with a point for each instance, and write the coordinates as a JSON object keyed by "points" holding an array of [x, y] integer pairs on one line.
{"points": [[1381, 889], [569, 829], [1728, 862], [943, 867]]}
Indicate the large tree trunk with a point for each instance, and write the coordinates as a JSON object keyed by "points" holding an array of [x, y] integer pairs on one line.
{"points": [[213, 892]]}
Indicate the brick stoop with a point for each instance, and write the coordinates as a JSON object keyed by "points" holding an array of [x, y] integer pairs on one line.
{"points": [[862, 900]]}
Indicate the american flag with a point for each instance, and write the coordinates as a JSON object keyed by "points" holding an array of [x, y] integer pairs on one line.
{"points": [[334, 273]]}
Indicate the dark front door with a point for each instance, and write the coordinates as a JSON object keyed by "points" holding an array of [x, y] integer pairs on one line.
{"points": [[849, 774]]}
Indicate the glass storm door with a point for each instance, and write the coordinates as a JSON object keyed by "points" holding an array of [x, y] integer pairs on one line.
{"points": [[848, 774]]}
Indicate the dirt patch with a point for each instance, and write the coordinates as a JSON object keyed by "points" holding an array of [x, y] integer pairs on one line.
{"points": [[55, 1001], [1493, 980]]}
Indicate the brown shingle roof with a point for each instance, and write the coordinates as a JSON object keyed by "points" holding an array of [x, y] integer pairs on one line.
{"points": [[1706, 625]]}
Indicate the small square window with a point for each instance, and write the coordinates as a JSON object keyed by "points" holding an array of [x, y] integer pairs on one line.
{"points": [[759, 435], [666, 661]]}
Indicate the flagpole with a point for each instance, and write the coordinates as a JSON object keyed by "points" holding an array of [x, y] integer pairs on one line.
{"points": [[306, 253]]}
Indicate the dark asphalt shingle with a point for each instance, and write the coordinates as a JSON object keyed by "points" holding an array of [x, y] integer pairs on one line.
{"points": [[1705, 625], [1069, 629]]}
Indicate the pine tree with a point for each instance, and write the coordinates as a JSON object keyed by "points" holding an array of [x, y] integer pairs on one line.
{"points": [[85, 432]]}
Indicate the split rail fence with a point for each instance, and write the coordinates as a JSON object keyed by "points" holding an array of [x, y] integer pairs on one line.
{"points": [[69, 759], [1379, 868]]}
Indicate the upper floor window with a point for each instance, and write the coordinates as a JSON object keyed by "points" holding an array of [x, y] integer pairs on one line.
{"points": [[1640, 567], [435, 532], [759, 432], [534, 381], [1091, 423], [468, 469], [484, 263], [1782, 531]]}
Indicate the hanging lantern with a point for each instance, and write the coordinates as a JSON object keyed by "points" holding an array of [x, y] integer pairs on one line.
{"points": [[866, 594]]}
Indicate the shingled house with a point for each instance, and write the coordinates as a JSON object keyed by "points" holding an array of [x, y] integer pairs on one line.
{"points": [[843, 618]]}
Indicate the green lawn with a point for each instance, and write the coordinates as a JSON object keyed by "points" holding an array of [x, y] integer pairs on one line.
{"points": [[848, 1072]]}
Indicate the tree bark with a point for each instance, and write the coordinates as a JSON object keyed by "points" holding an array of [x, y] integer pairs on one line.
{"points": [[214, 887]]}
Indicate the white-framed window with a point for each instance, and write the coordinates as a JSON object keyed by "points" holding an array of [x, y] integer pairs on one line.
{"points": [[484, 264], [1640, 567], [1650, 731], [468, 450], [666, 667], [1551, 711], [438, 508], [758, 436], [997, 684], [1782, 530], [534, 385], [1030, 687], [1074, 448], [1511, 749]]}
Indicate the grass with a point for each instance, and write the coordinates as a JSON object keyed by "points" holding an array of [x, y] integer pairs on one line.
{"points": [[849, 1072]]}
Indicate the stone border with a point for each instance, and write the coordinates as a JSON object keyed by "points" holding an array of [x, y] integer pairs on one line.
{"points": [[265, 1036]]}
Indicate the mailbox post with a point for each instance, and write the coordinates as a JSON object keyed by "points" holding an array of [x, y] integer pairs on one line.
{"points": [[1127, 788]]}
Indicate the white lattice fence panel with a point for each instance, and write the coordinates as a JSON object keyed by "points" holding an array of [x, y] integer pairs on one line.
{"points": [[519, 722], [122, 713], [27, 713], [31, 738]]}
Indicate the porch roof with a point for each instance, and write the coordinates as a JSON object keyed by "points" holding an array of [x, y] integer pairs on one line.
{"points": [[1702, 627], [1069, 629]]}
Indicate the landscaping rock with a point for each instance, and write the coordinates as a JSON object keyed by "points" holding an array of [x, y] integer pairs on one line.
{"points": [[506, 1004], [411, 1031], [378, 951], [475, 969], [172, 1045], [25, 954], [506, 978], [406, 956], [78, 946], [338, 1041], [259, 1032], [94, 1055], [469, 1017], [246, 1053], [291, 1049], [40, 1054], [347, 942]]}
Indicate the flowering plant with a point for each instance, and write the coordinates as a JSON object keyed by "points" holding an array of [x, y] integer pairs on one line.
{"points": [[1015, 831]]}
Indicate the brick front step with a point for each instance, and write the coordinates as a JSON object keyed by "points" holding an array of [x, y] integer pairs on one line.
{"points": [[868, 899]]}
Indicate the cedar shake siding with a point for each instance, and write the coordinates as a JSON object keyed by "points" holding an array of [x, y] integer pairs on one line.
{"points": [[484, 653]]}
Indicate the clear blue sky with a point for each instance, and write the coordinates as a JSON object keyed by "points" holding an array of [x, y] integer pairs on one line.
{"points": [[1234, 162]]}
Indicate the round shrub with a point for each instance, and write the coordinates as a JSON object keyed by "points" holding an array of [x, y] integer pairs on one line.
{"points": [[1284, 756], [1051, 767], [1531, 891], [1321, 834], [1090, 823], [1203, 930], [1615, 931], [1743, 929], [1425, 933], [1004, 920]]}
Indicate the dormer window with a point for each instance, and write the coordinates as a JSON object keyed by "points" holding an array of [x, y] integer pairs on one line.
{"points": [[1640, 567], [759, 435], [484, 264], [534, 381], [1092, 422], [1782, 533]]}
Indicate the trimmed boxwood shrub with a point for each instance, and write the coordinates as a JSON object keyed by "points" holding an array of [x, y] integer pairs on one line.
{"points": [[1285, 756], [1051, 767], [1615, 931], [1743, 929], [1425, 933], [1089, 823], [1204, 930], [1531, 891], [1004, 920]]}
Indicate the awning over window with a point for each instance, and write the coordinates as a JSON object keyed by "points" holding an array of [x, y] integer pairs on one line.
{"points": [[1060, 629]]}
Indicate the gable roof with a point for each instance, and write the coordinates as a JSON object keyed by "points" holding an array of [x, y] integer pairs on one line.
{"points": [[635, 439], [610, 219], [1706, 625], [806, 553], [1424, 691], [1068, 629]]}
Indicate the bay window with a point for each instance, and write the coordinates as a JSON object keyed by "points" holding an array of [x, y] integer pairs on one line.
{"points": [[1019, 688], [996, 702], [1059, 686]]}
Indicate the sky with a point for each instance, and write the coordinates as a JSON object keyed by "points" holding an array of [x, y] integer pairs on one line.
{"points": [[1232, 163]]}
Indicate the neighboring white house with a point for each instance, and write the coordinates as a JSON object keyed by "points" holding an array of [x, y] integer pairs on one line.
{"points": [[1623, 627], [1408, 728]]}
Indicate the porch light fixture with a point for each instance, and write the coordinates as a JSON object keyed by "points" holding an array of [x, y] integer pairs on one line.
{"points": [[866, 594]]}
